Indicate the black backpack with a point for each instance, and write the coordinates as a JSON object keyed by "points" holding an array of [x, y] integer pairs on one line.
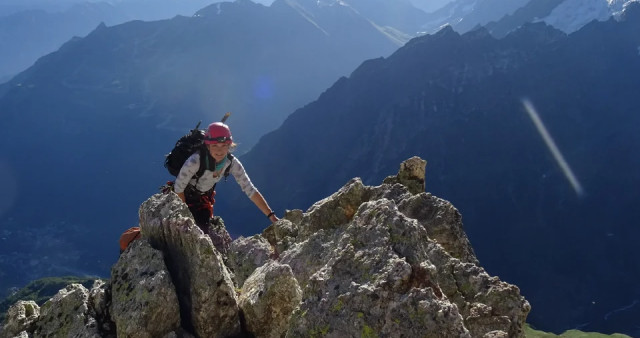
{"points": [[185, 147]]}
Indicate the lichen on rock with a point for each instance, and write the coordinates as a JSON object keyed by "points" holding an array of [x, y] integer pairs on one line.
{"points": [[21, 317], [269, 297], [204, 284], [246, 254], [144, 301], [67, 315], [411, 175]]}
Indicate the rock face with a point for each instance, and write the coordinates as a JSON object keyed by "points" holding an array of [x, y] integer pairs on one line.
{"points": [[246, 255], [21, 318], [383, 261], [206, 291], [373, 264], [144, 301], [67, 314], [268, 298]]}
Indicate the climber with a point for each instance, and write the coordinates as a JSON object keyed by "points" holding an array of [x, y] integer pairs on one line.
{"points": [[198, 192]]}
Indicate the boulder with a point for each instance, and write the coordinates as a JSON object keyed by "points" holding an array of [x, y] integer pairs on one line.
{"points": [[144, 302], [67, 315], [442, 221], [411, 175], [21, 317], [269, 297], [282, 233], [246, 255]]}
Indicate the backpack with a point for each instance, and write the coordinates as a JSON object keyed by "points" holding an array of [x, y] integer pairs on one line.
{"points": [[129, 236], [185, 147]]}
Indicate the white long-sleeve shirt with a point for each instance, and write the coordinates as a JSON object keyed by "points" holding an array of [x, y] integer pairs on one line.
{"points": [[206, 182]]}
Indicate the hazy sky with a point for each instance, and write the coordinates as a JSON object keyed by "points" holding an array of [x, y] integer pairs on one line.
{"points": [[429, 5], [185, 7], [11, 6]]}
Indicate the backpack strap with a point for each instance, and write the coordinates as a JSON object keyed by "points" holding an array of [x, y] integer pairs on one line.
{"points": [[230, 157], [204, 164], [226, 171]]}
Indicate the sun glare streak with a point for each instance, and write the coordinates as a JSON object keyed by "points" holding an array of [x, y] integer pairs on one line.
{"points": [[568, 173]]}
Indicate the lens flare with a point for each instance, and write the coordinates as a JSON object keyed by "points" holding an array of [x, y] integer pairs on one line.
{"points": [[568, 173], [263, 88]]}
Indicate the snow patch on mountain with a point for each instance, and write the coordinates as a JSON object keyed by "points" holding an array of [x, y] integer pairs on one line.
{"points": [[571, 15], [619, 6]]}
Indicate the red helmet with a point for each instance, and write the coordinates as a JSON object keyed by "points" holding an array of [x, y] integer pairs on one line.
{"points": [[218, 132]]}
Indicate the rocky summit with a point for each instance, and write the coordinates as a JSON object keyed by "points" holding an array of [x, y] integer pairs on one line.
{"points": [[367, 261]]}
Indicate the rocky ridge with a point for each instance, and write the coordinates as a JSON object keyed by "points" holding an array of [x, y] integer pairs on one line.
{"points": [[388, 260]]}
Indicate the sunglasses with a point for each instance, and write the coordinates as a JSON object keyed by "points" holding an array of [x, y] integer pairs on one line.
{"points": [[221, 139]]}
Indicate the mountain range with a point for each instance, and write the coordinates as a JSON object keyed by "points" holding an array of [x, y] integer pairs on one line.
{"points": [[548, 205], [27, 35], [502, 17], [32, 29]]}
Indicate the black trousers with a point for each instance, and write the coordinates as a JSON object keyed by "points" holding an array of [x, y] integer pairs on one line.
{"points": [[201, 205]]}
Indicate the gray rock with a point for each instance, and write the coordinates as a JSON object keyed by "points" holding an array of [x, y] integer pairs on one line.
{"points": [[443, 223], [367, 287], [99, 300], [21, 316], [282, 234], [66, 315], [489, 304], [204, 284], [268, 299], [219, 235], [399, 265], [21, 334], [335, 210], [411, 175], [144, 301], [496, 334], [294, 216], [246, 255]]}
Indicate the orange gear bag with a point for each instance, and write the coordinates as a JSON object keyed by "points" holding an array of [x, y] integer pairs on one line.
{"points": [[129, 236]]}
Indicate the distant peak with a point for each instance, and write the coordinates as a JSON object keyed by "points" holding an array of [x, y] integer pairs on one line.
{"points": [[480, 32], [538, 31], [630, 11], [446, 30]]}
